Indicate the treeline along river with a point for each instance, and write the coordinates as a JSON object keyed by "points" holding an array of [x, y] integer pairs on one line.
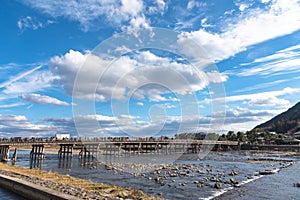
{"points": [[219, 175]]}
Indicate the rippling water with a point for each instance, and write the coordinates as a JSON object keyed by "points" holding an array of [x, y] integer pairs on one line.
{"points": [[193, 171], [7, 195]]}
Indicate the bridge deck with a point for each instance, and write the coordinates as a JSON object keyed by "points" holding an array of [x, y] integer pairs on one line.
{"points": [[116, 142]]}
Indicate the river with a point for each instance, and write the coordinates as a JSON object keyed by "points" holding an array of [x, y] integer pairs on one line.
{"points": [[7, 195], [190, 177]]}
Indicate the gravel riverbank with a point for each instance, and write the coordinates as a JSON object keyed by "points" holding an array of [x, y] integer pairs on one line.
{"points": [[82, 189]]}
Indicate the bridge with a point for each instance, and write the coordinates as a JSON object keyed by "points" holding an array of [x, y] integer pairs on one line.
{"points": [[112, 146]]}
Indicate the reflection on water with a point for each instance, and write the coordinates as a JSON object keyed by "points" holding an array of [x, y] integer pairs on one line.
{"points": [[195, 177], [36, 162], [65, 162]]}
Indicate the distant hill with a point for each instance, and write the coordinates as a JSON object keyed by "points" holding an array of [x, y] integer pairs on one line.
{"points": [[284, 122]]}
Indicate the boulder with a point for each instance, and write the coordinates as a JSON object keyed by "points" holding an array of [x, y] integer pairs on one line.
{"points": [[268, 172], [233, 173], [297, 184], [218, 186]]}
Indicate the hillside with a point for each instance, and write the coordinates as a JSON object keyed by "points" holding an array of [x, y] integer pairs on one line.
{"points": [[284, 122]]}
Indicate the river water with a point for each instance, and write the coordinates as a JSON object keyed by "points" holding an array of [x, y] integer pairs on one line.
{"points": [[189, 177], [7, 195]]}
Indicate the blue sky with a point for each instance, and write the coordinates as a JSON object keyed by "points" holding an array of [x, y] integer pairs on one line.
{"points": [[59, 75]]}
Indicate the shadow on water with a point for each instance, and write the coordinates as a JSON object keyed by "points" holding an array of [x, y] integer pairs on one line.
{"points": [[36, 162], [65, 162]]}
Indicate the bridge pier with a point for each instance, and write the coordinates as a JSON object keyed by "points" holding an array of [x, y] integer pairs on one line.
{"points": [[37, 152], [65, 150], [14, 158], [90, 150], [4, 153]]}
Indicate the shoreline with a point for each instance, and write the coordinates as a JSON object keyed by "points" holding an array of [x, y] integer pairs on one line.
{"points": [[32, 191], [241, 191], [22, 180]]}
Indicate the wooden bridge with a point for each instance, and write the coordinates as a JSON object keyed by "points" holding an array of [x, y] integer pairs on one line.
{"points": [[113, 146]]}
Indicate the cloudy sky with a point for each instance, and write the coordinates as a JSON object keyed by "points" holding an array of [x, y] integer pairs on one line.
{"points": [[146, 68]]}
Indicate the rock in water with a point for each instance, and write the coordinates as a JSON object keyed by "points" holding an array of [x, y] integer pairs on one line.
{"points": [[218, 186], [266, 172], [297, 184], [232, 180]]}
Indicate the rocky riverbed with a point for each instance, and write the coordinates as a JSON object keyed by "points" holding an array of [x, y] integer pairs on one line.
{"points": [[189, 177]]}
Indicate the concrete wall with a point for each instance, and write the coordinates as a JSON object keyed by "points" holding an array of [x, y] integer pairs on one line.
{"points": [[31, 191]]}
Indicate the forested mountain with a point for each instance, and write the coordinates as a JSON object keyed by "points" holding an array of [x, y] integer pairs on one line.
{"points": [[288, 121]]}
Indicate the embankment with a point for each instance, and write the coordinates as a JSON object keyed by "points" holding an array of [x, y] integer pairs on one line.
{"points": [[37, 184], [32, 191]]}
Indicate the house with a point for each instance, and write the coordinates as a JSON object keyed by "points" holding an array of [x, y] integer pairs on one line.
{"points": [[297, 133], [62, 136], [291, 140]]}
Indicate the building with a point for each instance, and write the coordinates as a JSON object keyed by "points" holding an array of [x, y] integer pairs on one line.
{"points": [[297, 133], [62, 136]]}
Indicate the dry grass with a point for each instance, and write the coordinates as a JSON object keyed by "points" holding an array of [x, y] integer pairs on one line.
{"points": [[103, 189]]}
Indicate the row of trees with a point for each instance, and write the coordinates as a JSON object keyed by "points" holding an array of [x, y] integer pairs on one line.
{"points": [[252, 136]]}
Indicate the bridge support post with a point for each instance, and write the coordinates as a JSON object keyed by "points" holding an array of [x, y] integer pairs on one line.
{"points": [[37, 156], [14, 158], [4, 153], [37, 152], [65, 150]]}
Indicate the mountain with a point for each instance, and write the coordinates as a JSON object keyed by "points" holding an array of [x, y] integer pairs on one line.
{"points": [[288, 121]]}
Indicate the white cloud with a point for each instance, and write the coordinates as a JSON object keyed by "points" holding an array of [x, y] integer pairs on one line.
{"points": [[269, 99], [285, 61], [140, 103], [194, 4], [42, 99], [261, 86], [19, 76], [31, 23], [88, 12], [29, 83], [252, 27], [242, 7], [140, 76], [265, 1], [245, 119], [238, 119], [11, 105], [216, 77], [19, 125], [125, 125]]}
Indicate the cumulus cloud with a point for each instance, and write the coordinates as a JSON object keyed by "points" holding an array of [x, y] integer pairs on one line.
{"points": [[252, 27], [142, 75], [132, 126], [19, 125], [238, 119], [158, 7], [42, 99], [244, 119]]}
